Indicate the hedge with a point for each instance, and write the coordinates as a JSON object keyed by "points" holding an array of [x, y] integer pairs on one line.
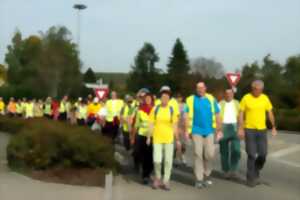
{"points": [[45, 144]]}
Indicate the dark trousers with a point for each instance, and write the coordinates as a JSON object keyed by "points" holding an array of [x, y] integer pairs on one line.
{"points": [[230, 148], [62, 116], [126, 140], [110, 130], [48, 116], [81, 122], [256, 148], [144, 154]]}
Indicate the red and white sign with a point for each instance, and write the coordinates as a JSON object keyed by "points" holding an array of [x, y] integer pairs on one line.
{"points": [[233, 78], [101, 93]]}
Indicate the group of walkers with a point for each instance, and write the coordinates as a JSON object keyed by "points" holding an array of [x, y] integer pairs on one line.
{"points": [[157, 130]]}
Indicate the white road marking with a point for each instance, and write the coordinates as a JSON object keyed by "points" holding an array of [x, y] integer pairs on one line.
{"points": [[285, 151]]}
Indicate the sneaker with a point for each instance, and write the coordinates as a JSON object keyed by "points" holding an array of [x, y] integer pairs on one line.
{"points": [[251, 183], [207, 181], [199, 184], [166, 186], [234, 175], [226, 175], [146, 181], [156, 184]]}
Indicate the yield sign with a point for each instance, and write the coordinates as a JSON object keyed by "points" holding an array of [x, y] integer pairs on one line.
{"points": [[101, 93], [233, 78]]}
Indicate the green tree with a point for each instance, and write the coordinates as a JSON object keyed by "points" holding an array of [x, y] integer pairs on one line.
{"points": [[49, 61], [89, 76], [144, 73], [178, 67]]}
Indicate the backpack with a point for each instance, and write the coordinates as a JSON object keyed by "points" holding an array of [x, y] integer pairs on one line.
{"points": [[171, 112]]}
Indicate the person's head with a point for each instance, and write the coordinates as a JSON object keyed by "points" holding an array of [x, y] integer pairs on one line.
{"points": [[148, 99], [128, 99], [1, 99], [179, 98], [96, 100], [229, 94], [12, 99], [65, 98], [257, 87], [114, 95], [201, 88], [165, 97]]}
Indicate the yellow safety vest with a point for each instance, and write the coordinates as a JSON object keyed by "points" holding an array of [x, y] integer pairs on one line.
{"points": [[142, 123], [113, 108], [190, 105]]}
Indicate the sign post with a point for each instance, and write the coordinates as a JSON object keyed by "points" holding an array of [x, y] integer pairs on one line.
{"points": [[233, 79], [101, 90]]}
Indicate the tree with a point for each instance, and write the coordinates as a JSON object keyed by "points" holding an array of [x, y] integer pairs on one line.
{"points": [[144, 73], [49, 61], [178, 67], [89, 76], [208, 68]]}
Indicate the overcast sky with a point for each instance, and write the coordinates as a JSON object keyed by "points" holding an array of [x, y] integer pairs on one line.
{"points": [[233, 32]]}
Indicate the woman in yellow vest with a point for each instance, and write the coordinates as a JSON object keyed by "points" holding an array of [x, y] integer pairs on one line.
{"points": [[143, 153], [163, 129], [38, 108], [81, 112], [29, 113]]}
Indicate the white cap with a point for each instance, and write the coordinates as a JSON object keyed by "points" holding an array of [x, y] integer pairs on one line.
{"points": [[165, 88]]}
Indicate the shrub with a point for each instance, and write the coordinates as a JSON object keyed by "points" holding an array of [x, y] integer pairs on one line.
{"points": [[11, 125], [288, 119], [44, 144]]}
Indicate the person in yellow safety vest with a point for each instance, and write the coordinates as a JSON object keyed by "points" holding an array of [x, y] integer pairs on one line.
{"points": [[19, 108], [2, 106], [112, 121], [23, 106], [81, 114], [48, 108], [63, 109], [203, 120], [126, 120], [38, 108], [29, 109], [92, 111], [11, 107], [143, 153]]}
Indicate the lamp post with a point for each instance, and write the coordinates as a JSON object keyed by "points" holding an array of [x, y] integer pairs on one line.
{"points": [[79, 7]]}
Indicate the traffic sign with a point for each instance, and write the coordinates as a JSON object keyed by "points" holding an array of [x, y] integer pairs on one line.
{"points": [[233, 78], [101, 93]]}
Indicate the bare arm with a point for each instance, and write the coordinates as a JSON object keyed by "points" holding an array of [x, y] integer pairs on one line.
{"points": [[241, 131], [272, 120]]}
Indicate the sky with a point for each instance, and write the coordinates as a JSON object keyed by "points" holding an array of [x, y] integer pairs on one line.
{"points": [[233, 32]]}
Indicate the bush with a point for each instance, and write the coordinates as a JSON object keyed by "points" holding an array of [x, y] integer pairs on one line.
{"points": [[45, 144], [11, 125], [288, 119]]}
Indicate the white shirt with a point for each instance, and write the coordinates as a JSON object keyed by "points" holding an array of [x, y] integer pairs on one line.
{"points": [[230, 115]]}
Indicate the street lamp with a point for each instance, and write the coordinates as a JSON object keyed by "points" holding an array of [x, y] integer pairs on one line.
{"points": [[79, 7]]}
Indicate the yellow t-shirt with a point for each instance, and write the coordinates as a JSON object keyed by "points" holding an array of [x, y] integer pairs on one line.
{"points": [[163, 130], [93, 108], [255, 109], [172, 102]]}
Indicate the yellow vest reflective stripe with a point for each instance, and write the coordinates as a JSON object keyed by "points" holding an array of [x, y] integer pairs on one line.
{"points": [[113, 109], [190, 105]]}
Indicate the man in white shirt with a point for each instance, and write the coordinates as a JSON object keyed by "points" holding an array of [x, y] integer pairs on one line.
{"points": [[230, 143]]}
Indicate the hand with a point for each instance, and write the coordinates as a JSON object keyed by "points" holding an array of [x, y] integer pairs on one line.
{"points": [[219, 135], [148, 141], [241, 133], [187, 136], [274, 132], [178, 145], [132, 141]]}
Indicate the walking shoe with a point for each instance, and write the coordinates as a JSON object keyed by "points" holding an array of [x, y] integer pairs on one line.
{"points": [[156, 184], [234, 175], [166, 186], [226, 175], [146, 181], [207, 181], [199, 184], [251, 183]]}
